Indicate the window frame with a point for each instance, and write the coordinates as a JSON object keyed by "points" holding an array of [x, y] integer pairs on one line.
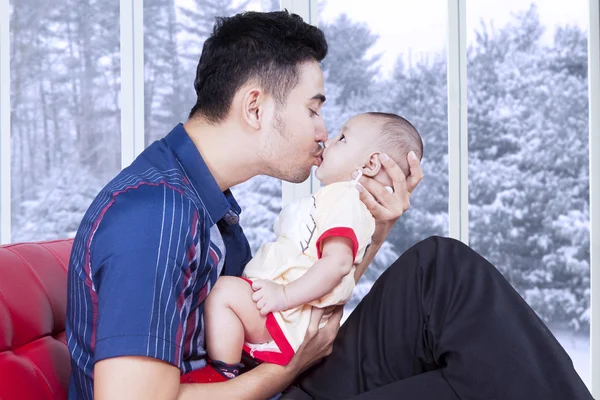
{"points": [[5, 178], [132, 127], [594, 149]]}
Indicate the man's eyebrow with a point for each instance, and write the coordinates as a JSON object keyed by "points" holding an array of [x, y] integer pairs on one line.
{"points": [[319, 97]]}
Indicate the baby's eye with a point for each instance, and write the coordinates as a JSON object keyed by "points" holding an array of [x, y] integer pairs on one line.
{"points": [[342, 138]]}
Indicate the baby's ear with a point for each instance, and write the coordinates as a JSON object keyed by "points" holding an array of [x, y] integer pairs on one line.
{"points": [[373, 165]]}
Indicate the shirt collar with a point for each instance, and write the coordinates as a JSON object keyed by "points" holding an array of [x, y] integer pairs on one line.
{"points": [[216, 202]]}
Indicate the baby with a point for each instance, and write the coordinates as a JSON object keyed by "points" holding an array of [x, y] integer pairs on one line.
{"points": [[320, 240]]}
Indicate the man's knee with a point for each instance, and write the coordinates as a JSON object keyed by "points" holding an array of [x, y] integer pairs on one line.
{"points": [[443, 242], [460, 259], [443, 252], [419, 252]]}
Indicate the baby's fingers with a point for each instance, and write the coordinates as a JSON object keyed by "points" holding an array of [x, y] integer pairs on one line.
{"points": [[261, 303], [264, 311], [257, 285], [256, 296]]}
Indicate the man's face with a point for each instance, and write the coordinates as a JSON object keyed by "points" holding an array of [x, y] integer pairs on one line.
{"points": [[298, 128], [349, 150]]}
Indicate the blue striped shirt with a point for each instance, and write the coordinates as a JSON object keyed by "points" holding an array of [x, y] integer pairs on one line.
{"points": [[148, 251]]}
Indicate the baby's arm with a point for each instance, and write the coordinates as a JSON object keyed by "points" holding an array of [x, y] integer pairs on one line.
{"points": [[324, 275], [336, 262]]}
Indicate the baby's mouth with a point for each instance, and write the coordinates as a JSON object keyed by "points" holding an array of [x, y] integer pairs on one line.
{"points": [[319, 160]]}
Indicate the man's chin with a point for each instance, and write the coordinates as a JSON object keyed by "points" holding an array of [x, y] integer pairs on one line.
{"points": [[297, 176]]}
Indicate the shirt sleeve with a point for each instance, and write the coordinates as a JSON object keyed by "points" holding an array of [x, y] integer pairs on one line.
{"points": [[340, 212], [139, 259]]}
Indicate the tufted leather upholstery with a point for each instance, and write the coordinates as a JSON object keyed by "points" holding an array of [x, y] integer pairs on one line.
{"points": [[34, 359]]}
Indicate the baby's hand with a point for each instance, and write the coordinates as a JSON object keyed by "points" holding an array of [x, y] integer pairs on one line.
{"points": [[269, 296]]}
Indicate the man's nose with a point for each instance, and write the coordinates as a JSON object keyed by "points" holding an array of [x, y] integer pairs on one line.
{"points": [[321, 133]]}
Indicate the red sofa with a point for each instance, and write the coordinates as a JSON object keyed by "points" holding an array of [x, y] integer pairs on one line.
{"points": [[34, 358]]}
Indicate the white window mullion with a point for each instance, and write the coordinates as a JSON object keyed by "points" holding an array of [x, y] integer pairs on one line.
{"points": [[132, 80], [138, 77], [5, 176], [458, 155], [594, 119], [308, 10]]}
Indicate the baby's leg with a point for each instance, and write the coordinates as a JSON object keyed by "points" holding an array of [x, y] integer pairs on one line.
{"points": [[231, 318]]}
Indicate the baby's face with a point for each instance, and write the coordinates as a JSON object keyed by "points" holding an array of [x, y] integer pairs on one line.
{"points": [[349, 150]]}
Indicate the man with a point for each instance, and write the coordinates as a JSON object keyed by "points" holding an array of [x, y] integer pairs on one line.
{"points": [[154, 241]]}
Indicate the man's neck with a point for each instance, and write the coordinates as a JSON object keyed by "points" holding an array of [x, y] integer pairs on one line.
{"points": [[228, 154]]}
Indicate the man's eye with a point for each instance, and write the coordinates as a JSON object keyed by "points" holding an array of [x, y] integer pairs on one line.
{"points": [[313, 113]]}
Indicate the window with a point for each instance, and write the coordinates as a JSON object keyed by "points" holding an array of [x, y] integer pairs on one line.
{"points": [[65, 114], [528, 157], [391, 57], [527, 122]]}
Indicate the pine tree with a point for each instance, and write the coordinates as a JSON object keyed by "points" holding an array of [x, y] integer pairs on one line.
{"points": [[348, 64], [164, 83], [529, 186], [65, 77], [419, 94]]}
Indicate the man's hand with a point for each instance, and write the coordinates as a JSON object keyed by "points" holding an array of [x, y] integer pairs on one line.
{"points": [[269, 296], [318, 343], [387, 207]]}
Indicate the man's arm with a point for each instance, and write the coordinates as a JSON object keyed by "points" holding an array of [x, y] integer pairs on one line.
{"points": [[123, 378], [149, 378], [368, 257]]}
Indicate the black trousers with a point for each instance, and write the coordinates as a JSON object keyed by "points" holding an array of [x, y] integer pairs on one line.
{"points": [[442, 323]]}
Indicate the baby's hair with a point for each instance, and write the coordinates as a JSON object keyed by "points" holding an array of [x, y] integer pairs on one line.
{"points": [[398, 137]]}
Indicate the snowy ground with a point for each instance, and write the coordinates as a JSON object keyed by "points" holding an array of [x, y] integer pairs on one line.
{"points": [[578, 347]]}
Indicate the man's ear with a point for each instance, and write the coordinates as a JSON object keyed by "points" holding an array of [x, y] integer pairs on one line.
{"points": [[373, 165], [252, 107]]}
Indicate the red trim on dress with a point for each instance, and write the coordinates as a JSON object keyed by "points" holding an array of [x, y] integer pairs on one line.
{"points": [[340, 231], [286, 351]]}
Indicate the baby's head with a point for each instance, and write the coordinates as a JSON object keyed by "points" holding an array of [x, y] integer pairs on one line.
{"points": [[362, 139]]}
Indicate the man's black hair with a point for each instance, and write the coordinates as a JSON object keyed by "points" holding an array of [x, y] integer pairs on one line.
{"points": [[266, 47]]}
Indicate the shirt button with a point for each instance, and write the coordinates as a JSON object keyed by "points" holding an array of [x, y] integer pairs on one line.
{"points": [[232, 218]]}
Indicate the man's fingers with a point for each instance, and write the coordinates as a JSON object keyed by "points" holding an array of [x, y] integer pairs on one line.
{"points": [[416, 172], [368, 199], [376, 189], [395, 172], [331, 329], [260, 304], [335, 318], [315, 319], [327, 311], [373, 206]]}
